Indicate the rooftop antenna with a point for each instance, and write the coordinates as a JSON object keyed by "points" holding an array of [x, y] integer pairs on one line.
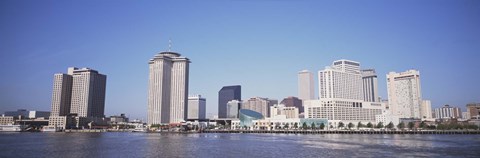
{"points": [[169, 44]]}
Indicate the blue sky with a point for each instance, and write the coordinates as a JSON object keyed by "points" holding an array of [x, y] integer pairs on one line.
{"points": [[260, 45]]}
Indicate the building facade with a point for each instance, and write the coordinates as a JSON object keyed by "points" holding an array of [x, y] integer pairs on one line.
{"points": [[404, 94], [342, 80], [226, 94], [61, 94], [280, 109], [306, 89], [232, 108], [168, 88], [342, 109], [370, 85], [426, 109], [448, 112], [293, 102], [473, 110], [88, 92], [197, 107], [258, 104]]}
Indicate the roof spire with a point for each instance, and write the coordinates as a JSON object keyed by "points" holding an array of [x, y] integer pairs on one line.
{"points": [[169, 44]]}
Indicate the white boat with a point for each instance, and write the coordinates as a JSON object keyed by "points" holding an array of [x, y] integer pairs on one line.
{"points": [[51, 129], [140, 128], [11, 128]]}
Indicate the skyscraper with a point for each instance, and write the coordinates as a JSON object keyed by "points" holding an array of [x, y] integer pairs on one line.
{"points": [[168, 88], [305, 85], [61, 95], [196, 107], [370, 85], [404, 94], [293, 102], [225, 95], [341, 80], [81, 92], [232, 108], [88, 92], [260, 105]]}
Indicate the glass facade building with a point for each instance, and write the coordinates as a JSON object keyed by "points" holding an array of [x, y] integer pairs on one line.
{"points": [[226, 94], [247, 116]]}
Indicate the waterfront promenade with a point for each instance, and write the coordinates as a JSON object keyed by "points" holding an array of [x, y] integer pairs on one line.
{"points": [[346, 131]]}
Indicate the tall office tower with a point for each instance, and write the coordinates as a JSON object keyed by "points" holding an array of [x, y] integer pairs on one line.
{"points": [[305, 85], [370, 85], [260, 105], [448, 112], [88, 92], [61, 94], [473, 110], [342, 80], [232, 108], [168, 88], [226, 94], [404, 94], [426, 109], [197, 107], [293, 102]]}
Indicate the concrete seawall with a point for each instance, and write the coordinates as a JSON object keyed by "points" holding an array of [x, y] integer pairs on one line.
{"points": [[345, 132]]}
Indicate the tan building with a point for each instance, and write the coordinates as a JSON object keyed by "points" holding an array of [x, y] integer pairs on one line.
{"points": [[473, 110], [6, 120], [280, 109], [260, 105]]}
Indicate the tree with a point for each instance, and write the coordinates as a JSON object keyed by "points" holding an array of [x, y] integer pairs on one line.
{"points": [[360, 125], [423, 124], [340, 125], [411, 125], [401, 125], [350, 125], [369, 125], [313, 125], [322, 126], [304, 126], [379, 125], [295, 125], [390, 125], [286, 126]]}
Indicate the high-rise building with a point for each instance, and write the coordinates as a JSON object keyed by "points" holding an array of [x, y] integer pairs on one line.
{"points": [[61, 94], [197, 107], [426, 109], [404, 94], [232, 108], [168, 88], [260, 105], [81, 92], [305, 85], [293, 102], [226, 94], [88, 92], [370, 85], [448, 112], [341, 80], [473, 110]]}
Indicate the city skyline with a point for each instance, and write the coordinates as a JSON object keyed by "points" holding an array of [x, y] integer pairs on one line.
{"points": [[441, 44]]}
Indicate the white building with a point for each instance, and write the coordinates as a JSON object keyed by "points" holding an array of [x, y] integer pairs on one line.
{"points": [[232, 108], [280, 109], [168, 88], [306, 89], [342, 80], [426, 109], [88, 92], [61, 94], [404, 94], [386, 117], [370, 85], [448, 112], [197, 107], [38, 114], [343, 109]]}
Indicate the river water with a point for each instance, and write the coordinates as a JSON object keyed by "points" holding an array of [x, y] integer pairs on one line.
{"points": [[235, 145]]}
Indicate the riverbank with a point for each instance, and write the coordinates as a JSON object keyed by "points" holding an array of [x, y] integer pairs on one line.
{"points": [[345, 131]]}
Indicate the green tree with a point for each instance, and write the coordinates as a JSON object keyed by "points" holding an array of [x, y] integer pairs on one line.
{"points": [[340, 125], [295, 125], [423, 124], [313, 125], [286, 126], [322, 126], [411, 125], [390, 125], [360, 125], [350, 125], [401, 125], [379, 125], [369, 125], [304, 126]]}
